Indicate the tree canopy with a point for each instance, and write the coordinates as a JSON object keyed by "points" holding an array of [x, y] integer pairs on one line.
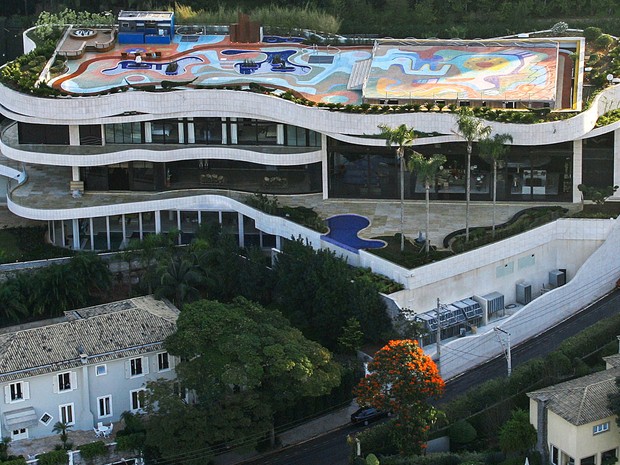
{"points": [[245, 362], [402, 379]]}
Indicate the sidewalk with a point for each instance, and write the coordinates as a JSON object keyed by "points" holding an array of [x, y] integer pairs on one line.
{"points": [[298, 435]]}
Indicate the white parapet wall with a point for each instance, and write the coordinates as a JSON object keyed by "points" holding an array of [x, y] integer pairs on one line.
{"points": [[498, 267], [595, 278]]}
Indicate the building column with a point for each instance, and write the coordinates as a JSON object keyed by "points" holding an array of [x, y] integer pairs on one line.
{"points": [[62, 233], [107, 232], [148, 135], [140, 225], [219, 216], [278, 243], [541, 428], [233, 131], [124, 228], [324, 167], [92, 233], [74, 134], [76, 234], [86, 415], [616, 163], [577, 169], [191, 131], [280, 134], [157, 221], [179, 226], [241, 230], [181, 130]]}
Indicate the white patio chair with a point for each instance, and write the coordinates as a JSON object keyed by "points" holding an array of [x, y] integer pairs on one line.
{"points": [[97, 432]]}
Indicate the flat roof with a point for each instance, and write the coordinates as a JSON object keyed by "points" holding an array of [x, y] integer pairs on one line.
{"points": [[463, 70], [430, 70]]}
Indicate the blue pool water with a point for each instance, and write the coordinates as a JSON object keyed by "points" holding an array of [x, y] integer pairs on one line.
{"points": [[343, 230]]}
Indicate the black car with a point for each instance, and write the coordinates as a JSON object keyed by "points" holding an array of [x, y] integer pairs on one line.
{"points": [[366, 415]]}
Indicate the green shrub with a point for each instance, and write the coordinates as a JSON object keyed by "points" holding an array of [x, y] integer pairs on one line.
{"points": [[18, 461], [92, 450], [462, 433], [378, 440], [592, 33], [55, 457]]}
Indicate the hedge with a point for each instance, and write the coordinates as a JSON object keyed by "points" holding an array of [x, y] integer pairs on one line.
{"points": [[93, 449], [55, 457]]}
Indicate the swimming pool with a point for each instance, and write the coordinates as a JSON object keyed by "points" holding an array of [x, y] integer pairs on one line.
{"points": [[343, 230]]}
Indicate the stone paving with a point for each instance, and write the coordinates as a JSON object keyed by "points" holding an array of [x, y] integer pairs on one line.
{"points": [[48, 187]]}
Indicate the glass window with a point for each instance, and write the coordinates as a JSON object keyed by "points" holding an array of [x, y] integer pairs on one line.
{"points": [[101, 370], [165, 131], [66, 414], [136, 366], [208, 130], [609, 457], [588, 460], [16, 392], [104, 405], [597, 429], [64, 382], [123, 133], [46, 418], [555, 455], [19, 433], [137, 399], [162, 361]]}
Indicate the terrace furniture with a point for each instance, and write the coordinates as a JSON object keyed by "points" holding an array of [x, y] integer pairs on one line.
{"points": [[275, 182], [211, 179]]}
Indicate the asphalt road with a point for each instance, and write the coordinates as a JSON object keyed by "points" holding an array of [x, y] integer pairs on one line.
{"points": [[332, 449]]}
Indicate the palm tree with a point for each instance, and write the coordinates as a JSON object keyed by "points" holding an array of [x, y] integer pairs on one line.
{"points": [[426, 169], [493, 151], [177, 280], [403, 137], [62, 428], [471, 129]]}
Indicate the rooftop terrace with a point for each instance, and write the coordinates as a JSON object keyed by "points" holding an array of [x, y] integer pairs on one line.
{"points": [[526, 70]]}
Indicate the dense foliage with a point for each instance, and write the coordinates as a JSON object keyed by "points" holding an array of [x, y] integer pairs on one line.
{"points": [[402, 380], [244, 363]]}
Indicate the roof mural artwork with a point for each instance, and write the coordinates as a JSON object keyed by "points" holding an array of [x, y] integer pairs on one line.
{"points": [[421, 70], [320, 74]]}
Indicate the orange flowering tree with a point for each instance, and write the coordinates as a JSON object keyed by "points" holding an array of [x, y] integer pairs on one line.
{"points": [[402, 379]]}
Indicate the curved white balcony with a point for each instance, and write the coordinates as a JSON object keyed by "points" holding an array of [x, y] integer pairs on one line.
{"points": [[142, 106], [97, 155]]}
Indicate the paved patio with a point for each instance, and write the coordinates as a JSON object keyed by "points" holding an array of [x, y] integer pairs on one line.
{"points": [[48, 187], [31, 447]]}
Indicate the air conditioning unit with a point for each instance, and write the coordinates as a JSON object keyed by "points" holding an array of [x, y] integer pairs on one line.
{"points": [[524, 293], [557, 278]]}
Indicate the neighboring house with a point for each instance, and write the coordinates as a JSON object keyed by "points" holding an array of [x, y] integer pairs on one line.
{"points": [[574, 422], [84, 368]]}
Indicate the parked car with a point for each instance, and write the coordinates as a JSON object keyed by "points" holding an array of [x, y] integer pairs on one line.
{"points": [[367, 415]]}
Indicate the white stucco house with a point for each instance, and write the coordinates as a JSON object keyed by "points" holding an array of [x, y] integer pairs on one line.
{"points": [[574, 422], [84, 368]]}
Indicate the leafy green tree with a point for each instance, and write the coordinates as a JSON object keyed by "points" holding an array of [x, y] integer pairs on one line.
{"points": [[471, 129], [402, 137], [598, 195], [352, 336], [93, 273], [319, 292], [517, 435], [402, 379], [426, 170], [245, 362], [493, 150], [462, 433]]}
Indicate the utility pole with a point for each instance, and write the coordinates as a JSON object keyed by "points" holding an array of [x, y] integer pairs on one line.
{"points": [[505, 345], [438, 337]]}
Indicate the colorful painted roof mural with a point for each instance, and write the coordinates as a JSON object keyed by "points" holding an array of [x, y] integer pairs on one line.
{"points": [[463, 72], [321, 74], [422, 70]]}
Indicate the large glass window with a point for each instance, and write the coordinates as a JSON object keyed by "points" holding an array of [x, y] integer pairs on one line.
{"points": [[598, 161], [165, 131], [301, 137], [43, 134], [208, 130], [124, 133], [253, 132]]}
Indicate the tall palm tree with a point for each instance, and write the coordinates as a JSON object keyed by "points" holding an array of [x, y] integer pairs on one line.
{"points": [[493, 151], [403, 137], [471, 129], [426, 169]]}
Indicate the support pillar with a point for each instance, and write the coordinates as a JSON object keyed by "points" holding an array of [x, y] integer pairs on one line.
{"points": [[140, 229], [76, 234], [107, 232], [179, 226], [219, 217], [91, 230], [241, 230], [278, 243], [124, 227], [157, 221], [577, 169], [616, 195], [324, 167], [62, 233]]}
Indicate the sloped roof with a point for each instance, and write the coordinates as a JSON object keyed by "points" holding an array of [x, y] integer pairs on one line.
{"points": [[582, 400], [103, 332]]}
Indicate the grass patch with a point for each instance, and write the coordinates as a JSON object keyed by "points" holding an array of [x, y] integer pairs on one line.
{"points": [[413, 255]]}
